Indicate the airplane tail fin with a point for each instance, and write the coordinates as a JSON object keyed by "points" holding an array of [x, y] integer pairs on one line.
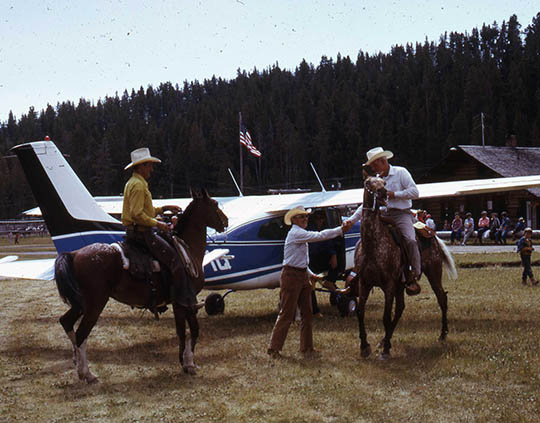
{"points": [[73, 217]]}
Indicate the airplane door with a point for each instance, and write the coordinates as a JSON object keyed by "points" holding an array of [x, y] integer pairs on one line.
{"points": [[333, 216]]}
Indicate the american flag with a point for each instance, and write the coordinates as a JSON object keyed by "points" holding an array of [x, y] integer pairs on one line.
{"points": [[245, 139]]}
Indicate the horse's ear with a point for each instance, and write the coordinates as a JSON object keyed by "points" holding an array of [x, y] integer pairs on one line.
{"points": [[199, 192], [367, 171], [204, 193], [195, 192]]}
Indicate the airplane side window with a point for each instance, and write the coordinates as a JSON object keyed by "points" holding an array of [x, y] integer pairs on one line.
{"points": [[273, 229]]}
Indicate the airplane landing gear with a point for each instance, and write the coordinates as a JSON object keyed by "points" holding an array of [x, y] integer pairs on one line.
{"points": [[345, 304], [215, 303]]}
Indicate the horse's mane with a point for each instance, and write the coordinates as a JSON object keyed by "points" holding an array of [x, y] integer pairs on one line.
{"points": [[184, 218]]}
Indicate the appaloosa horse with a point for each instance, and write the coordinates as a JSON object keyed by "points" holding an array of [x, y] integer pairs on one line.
{"points": [[88, 277], [379, 263]]}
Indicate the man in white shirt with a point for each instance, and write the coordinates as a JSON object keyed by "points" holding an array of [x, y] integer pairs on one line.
{"points": [[430, 223], [401, 190], [295, 287]]}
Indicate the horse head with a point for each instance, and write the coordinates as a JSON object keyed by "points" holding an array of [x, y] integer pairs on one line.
{"points": [[208, 208], [375, 194]]}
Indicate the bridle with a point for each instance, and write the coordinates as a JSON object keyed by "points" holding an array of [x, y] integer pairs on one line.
{"points": [[377, 194]]}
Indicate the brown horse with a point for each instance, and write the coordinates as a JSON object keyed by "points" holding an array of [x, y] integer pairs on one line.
{"points": [[379, 263], [88, 277]]}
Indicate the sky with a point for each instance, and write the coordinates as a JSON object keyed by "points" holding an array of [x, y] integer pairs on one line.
{"points": [[54, 51]]}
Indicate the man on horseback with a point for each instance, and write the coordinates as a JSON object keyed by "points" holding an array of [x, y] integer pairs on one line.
{"points": [[139, 218], [401, 189]]}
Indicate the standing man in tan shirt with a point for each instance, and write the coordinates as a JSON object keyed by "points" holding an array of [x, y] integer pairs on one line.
{"points": [[139, 218]]}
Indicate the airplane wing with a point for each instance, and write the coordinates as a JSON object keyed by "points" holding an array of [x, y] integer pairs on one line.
{"points": [[478, 186], [256, 204], [42, 269]]}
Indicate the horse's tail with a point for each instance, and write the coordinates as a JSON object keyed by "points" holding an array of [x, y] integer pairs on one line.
{"points": [[67, 285], [447, 259]]}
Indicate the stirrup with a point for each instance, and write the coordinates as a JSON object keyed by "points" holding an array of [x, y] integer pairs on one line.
{"points": [[344, 291]]}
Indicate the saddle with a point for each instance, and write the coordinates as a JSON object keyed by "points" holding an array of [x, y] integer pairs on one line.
{"points": [[424, 237], [423, 230], [140, 263], [138, 260]]}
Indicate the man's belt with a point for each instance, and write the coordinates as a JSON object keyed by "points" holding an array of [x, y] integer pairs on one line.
{"points": [[296, 269], [138, 228]]}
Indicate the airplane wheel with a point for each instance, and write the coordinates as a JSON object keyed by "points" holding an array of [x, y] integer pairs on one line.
{"points": [[346, 305], [333, 299], [214, 304]]}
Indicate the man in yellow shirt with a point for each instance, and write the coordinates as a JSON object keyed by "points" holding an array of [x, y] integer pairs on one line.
{"points": [[139, 218]]}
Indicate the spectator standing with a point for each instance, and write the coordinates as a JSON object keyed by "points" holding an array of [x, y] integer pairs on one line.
{"points": [[457, 229], [10, 237], [483, 225], [468, 228], [16, 237], [525, 249]]}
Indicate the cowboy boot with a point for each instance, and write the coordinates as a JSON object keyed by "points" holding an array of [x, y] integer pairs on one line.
{"points": [[411, 286]]}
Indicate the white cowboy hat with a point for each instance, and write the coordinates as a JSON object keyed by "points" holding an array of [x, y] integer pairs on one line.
{"points": [[295, 212], [377, 153], [141, 155]]}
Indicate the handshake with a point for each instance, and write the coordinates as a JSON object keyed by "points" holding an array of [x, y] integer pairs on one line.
{"points": [[346, 226]]}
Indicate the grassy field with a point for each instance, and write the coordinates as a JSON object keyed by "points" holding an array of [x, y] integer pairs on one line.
{"points": [[487, 371]]}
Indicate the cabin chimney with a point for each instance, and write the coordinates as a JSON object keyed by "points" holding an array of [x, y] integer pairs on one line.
{"points": [[511, 140]]}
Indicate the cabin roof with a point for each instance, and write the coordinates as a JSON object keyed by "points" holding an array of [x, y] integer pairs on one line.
{"points": [[507, 161]]}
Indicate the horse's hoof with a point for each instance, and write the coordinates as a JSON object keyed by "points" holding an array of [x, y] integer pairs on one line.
{"points": [[91, 379], [384, 356], [190, 370], [365, 352]]}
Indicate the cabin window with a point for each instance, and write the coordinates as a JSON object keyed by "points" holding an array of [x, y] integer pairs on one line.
{"points": [[274, 229]]}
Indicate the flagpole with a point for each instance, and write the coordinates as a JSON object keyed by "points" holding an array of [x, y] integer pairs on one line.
{"points": [[241, 156]]}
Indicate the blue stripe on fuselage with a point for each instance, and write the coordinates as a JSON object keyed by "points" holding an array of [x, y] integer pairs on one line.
{"points": [[255, 260], [74, 241]]}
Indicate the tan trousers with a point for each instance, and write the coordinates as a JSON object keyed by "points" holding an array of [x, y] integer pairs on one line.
{"points": [[295, 289]]}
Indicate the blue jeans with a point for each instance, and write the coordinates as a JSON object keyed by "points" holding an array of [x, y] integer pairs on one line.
{"points": [[527, 269], [455, 235]]}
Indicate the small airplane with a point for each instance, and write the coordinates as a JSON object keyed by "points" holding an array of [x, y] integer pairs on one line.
{"points": [[248, 255]]}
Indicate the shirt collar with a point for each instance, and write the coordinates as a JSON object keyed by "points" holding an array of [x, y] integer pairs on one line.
{"points": [[140, 177]]}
